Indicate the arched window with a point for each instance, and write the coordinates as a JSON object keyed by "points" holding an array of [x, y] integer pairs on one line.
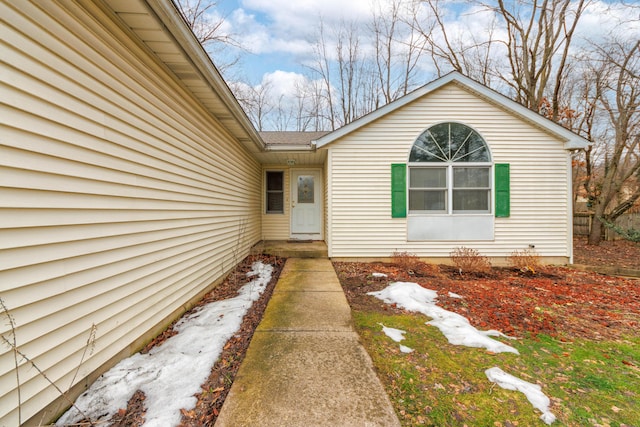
{"points": [[450, 171]]}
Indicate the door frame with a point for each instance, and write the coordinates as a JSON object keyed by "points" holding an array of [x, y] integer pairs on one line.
{"points": [[319, 193]]}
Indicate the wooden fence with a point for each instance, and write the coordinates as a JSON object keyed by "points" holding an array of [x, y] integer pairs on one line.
{"points": [[582, 224]]}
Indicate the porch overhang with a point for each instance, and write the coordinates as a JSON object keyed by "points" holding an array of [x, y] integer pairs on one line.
{"points": [[291, 149]]}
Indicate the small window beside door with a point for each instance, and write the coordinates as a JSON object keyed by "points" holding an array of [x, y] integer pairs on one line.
{"points": [[275, 192]]}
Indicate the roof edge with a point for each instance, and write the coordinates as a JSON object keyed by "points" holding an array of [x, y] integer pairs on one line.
{"points": [[572, 141], [170, 16]]}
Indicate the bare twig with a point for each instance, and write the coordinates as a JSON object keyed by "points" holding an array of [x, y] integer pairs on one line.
{"points": [[44, 375], [91, 343], [14, 346]]}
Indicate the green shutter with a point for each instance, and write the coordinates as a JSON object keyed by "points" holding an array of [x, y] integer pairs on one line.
{"points": [[503, 198], [398, 190]]}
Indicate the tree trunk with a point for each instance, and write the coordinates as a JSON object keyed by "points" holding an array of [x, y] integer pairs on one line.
{"points": [[597, 230], [595, 234]]}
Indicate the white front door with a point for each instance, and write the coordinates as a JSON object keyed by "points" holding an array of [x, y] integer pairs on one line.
{"points": [[306, 204]]}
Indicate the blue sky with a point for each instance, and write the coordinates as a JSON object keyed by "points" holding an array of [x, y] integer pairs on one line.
{"points": [[279, 34]]}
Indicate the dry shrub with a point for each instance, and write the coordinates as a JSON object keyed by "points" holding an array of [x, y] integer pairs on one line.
{"points": [[526, 260], [469, 260], [406, 261]]}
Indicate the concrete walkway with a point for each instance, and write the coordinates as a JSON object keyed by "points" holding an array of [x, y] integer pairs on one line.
{"points": [[305, 365]]}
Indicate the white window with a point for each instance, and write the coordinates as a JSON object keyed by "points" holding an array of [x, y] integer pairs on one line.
{"points": [[449, 171]]}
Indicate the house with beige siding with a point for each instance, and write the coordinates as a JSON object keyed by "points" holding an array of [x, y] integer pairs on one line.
{"points": [[131, 183], [452, 164]]}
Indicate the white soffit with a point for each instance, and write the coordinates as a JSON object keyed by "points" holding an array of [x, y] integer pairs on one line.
{"points": [[162, 29]]}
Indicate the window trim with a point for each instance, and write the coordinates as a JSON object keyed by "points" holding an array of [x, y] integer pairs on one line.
{"points": [[449, 188], [488, 188], [450, 165], [267, 192]]}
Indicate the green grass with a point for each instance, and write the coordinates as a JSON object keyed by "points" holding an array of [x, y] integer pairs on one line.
{"points": [[589, 382]]}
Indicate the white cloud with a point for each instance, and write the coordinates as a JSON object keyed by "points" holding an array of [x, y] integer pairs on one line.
{"points": [[602, 19], [283, 83], [299, 14], [267, 26]]}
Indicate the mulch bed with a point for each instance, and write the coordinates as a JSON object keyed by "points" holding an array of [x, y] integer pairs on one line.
{"points": [[217, 386], [560, 302]]}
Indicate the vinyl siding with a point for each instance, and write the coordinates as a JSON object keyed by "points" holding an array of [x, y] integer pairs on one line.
{"points": [[121, 198], [359, 163], [276, 226]]}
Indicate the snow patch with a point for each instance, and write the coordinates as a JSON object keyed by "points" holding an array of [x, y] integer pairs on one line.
{"points": [[378, 275], [456, 328], [405, 349], [452, 295], [397, 335], [171, 374], [533, 392]]}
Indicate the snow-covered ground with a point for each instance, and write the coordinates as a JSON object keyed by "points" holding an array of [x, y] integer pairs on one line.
{"points": [[171, 374], [533, 391], [456, 328], [459, 331]]}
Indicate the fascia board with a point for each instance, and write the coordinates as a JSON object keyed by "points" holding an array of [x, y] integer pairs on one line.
{"points": [[168, 13]]}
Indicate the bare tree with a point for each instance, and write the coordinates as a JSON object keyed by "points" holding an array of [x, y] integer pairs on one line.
{"points": [[282, 114], [617, 83], [209, 29], [323, 69], [256, 100], [309, 106], [398, 48], [349, 64], [305, 119], [582, 120], [470, 54], [539, 37], [344, 72]]}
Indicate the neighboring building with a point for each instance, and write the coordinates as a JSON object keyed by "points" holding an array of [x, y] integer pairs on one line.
{"points": [[132, 182]]}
